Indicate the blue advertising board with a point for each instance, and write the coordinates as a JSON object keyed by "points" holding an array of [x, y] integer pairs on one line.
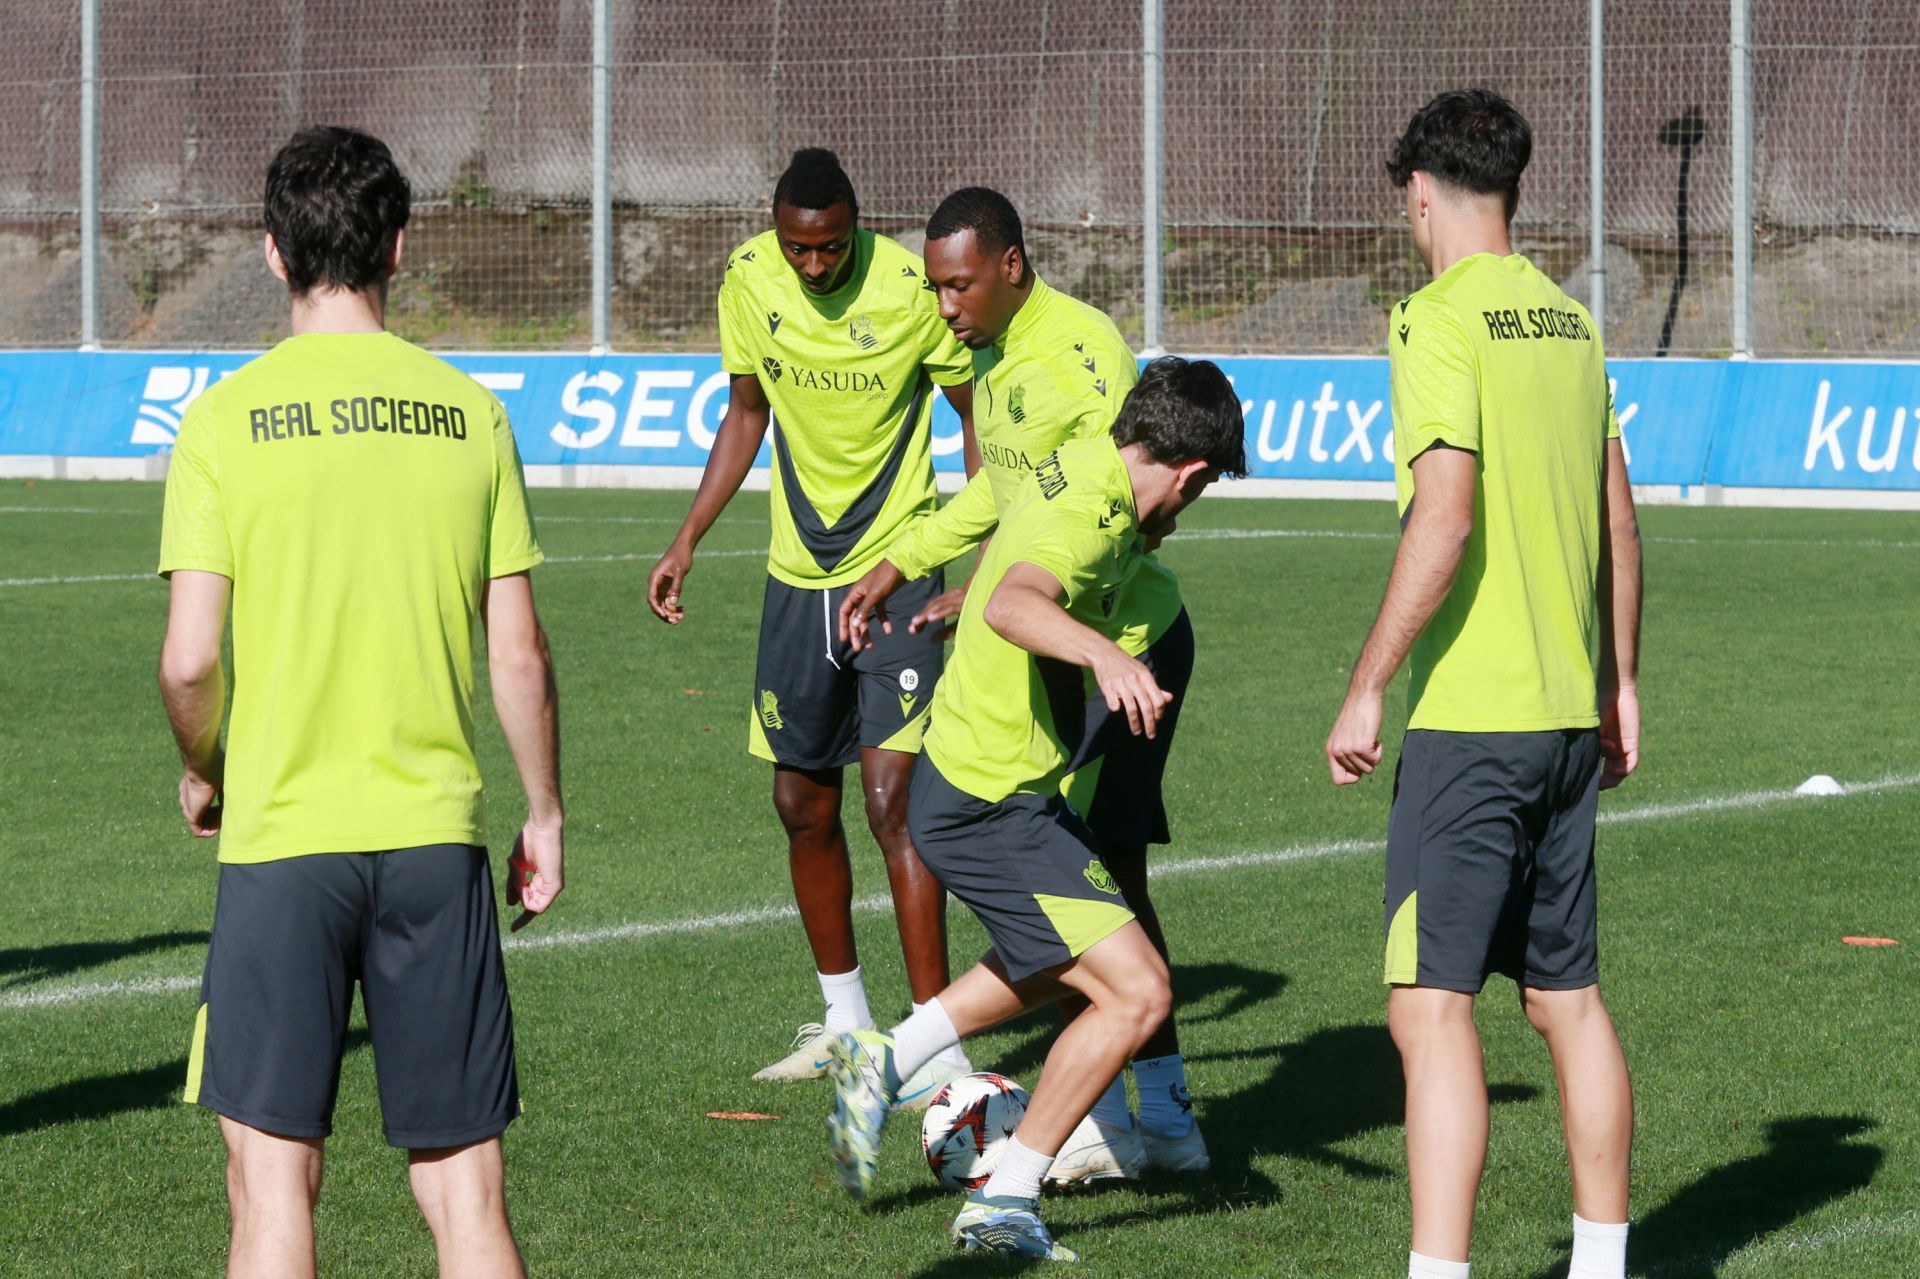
{"points": [[1770, 424]]}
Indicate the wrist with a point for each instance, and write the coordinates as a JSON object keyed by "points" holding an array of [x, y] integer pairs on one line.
{"points": [[206, 766]]}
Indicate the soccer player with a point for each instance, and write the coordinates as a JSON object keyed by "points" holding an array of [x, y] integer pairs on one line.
{"points": [[361, 503], [834, 333], [1049, 368], [1516, 587], [987, 812]]}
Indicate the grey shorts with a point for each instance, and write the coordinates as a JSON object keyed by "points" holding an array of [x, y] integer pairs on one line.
{"points": [[1027, 866], [817, 703], [1490, 860], [417, 930], [1118, 775]]}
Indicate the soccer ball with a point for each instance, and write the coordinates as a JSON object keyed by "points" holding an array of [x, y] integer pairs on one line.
{"points": [[967, 1127]]}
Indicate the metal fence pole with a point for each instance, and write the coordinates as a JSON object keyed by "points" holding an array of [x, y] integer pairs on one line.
{"points": [[89, 175], [1740, 99], [602, 183], [1152, 226], [1596, 168]]}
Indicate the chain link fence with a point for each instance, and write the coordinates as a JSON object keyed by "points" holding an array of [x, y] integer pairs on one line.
{"points": [[1277, 230]]}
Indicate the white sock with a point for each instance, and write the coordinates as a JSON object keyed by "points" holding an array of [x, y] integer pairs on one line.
{"points": [[846, 996], [1165, 1108], [952, 1054], [1599, 1251], [921, 1038], [1419, 1267], [1111, 1109], [1018, 1173]]}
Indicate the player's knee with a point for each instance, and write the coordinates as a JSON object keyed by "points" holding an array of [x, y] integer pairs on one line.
{"points": [[1416, 1018], [806, 817], [1553, 1012], [887, 816], [1146, 1002]]}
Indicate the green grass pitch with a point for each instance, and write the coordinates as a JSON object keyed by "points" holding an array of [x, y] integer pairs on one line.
{"points": [[1774, 1065]]}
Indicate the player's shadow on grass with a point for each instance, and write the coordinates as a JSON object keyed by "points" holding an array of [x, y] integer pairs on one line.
{"points": [[1808, 1162], [1323, 1091], [23, 964], [105, 1095]]}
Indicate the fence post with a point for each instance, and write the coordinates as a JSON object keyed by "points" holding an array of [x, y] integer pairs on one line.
{"points": [[1740, 101], [602, 181], [1596, 168], [89, 175], [1152, 223]]}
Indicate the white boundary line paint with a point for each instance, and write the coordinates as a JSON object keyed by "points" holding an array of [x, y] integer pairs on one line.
{"points": [[627, 557], [93, 992], [1774, 1246], [1191, 535]]}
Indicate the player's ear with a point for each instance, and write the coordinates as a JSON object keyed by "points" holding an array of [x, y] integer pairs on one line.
{"points": [[1014, 262], [393, 259], [274, 262], [1191, 478]]}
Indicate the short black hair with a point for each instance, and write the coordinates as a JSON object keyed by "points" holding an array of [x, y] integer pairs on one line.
{"points": [[335, 203], [815, 180], [1183, 409], [1469, 138], [991, 217]]}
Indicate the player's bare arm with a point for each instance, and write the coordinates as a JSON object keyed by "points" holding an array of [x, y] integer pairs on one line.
{"points": [[742, 431], [1025, 610], [194, 687], [1438, 525], [527, 699], [948, 533], [1619, 603]]}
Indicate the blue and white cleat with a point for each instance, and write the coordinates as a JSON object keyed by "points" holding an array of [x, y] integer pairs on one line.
{"points": [[1006, 1224], [921, 1087], [860, 1063]]}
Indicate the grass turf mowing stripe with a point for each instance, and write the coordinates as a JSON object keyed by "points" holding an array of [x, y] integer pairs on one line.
{"points": [[640, 930]]}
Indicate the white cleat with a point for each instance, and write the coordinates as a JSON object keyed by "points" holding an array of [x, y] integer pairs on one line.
{"points": [[1177, 1154], [925, 1083], [1096, 1152], [807, 1060]]}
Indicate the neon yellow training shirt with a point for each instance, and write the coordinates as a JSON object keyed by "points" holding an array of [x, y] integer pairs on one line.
{"points": [[1060, 372], [359, 493], [1492, 357], [993, 731], [850, 377]]}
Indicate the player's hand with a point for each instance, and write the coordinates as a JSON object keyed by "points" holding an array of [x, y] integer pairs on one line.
{"points": [[1128, 685], [939, 609], [663, 584], [1619, 734], [534, 871], [1353, 748], [200, 805], [866, 602]]}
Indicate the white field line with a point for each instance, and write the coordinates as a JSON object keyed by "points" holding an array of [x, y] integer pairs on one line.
{"points": [[629, 557], [1190, 535], [75, 510], [1777, 1247], [72, 581], [94, 992]]}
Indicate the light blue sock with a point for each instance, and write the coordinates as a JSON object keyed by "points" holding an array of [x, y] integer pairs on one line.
{"points": [[1111, 1109]]}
